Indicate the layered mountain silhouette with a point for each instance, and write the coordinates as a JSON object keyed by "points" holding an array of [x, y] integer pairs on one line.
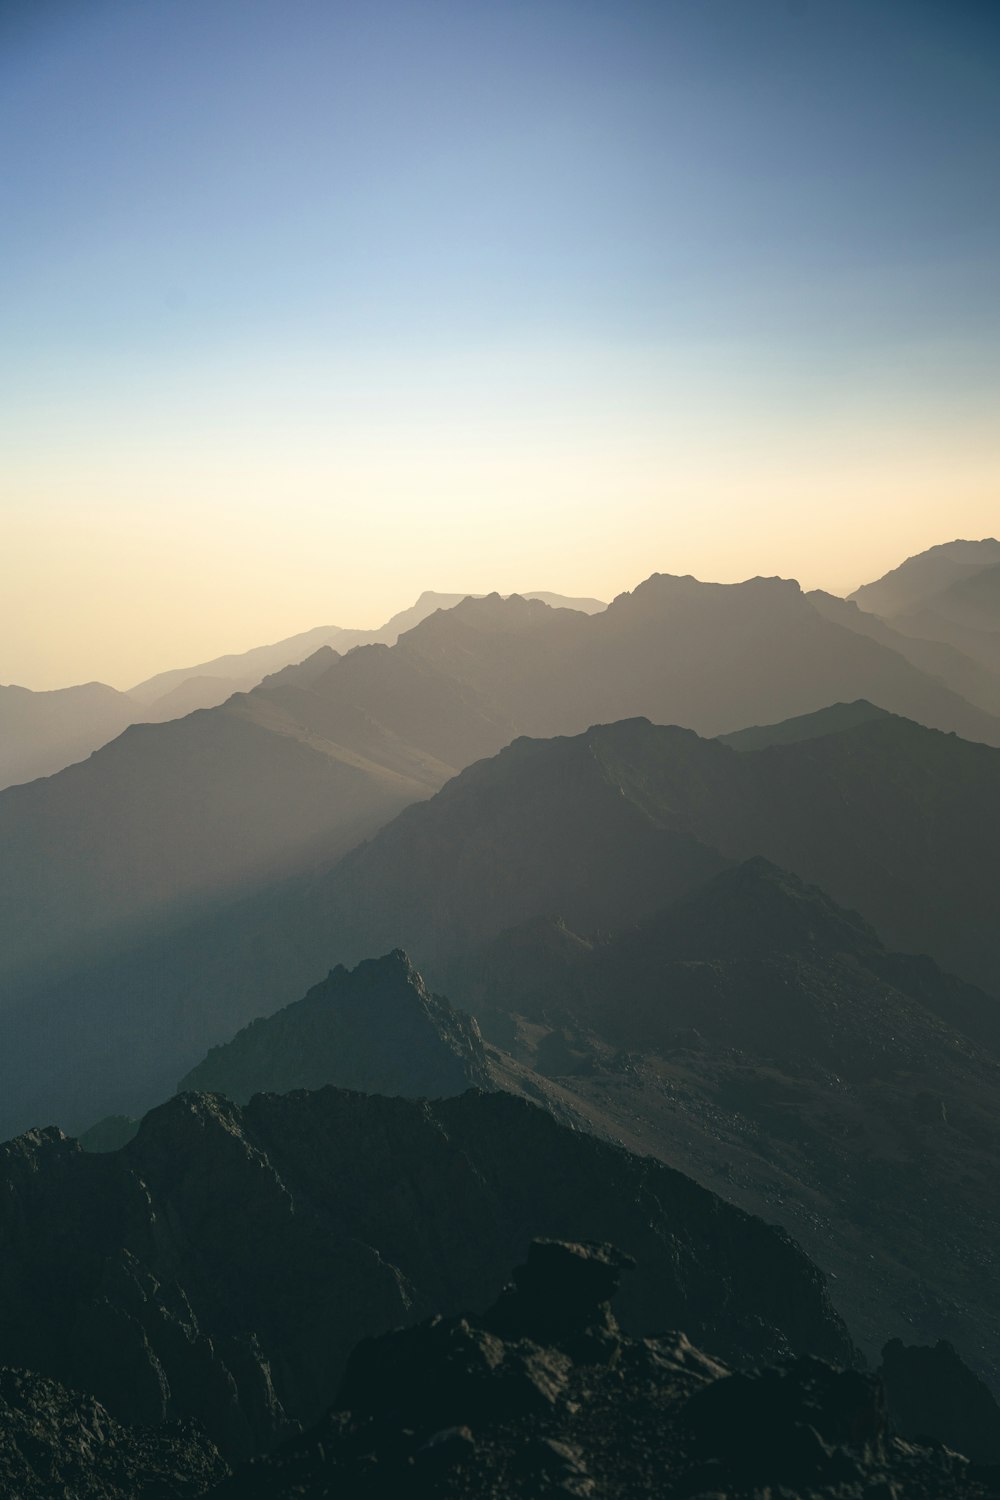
{"points": [[171, 816], [919, 578], [42, 732], [170, 694], [973, 678], [224, 1263], [896, 821], [948, 595]]}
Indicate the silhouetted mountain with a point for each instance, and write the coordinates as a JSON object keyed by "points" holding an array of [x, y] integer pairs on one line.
{"points": [[170, 694], [377, 1030], [40, 733], [542, 1393], [970, 675], [891, 819], [807, 727], [950, 596], [224, 1263], [171, 815], [909, 586]]}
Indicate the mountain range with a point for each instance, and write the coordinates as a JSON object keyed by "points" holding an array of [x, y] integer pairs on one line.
{"points": [[42, 732], [661, 933], [889, 818], [169, 817], [949, 594], [222, 1265]]}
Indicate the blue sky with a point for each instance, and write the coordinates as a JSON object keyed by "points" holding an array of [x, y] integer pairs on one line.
{"points": [[684, 267]]}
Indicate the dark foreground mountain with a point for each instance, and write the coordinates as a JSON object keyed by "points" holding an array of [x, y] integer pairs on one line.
{"points": [[223, 1264], [42, 732], [377, 1030], [543, 1394]]}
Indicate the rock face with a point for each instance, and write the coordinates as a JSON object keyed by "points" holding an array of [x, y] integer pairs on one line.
{"points": [[223, 1264], [932, 1394], [376, 1029], [55, 1442], [543, 1394]]}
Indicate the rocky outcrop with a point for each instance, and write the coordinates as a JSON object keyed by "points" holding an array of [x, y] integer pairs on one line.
{"points": [[543, 1394], [377, 1029], [59, 1443], [223, 1264]]}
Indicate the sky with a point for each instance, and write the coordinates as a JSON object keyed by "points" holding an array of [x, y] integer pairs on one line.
{"points": [[309, 305]]}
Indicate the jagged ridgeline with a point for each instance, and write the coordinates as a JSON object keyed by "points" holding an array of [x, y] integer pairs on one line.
{"points": [[223, 1264], [543, 1393], [377, 1030]]}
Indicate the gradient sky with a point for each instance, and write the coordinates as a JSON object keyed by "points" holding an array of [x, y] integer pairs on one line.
{"points": [[307, 306]]}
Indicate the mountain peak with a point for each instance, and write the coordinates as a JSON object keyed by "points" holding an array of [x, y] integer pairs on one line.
{"points": [[756, 909], [376, 1029]]}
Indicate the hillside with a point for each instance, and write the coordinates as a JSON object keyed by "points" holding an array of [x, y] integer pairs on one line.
{"points": [[40, 733], [225, 1262]]}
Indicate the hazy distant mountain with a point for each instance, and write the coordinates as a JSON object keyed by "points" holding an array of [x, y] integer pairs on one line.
{"points": [[40, 733], [966, 665], [915, 581], [377, 1030], [168, 695], [224, 1263], [949, 595], [171, 815]]}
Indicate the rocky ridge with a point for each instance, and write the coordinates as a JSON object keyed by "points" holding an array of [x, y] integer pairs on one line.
{"points": [[542, 1394]]}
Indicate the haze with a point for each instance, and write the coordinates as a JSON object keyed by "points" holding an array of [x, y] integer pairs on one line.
{"points": [[308, 308]]}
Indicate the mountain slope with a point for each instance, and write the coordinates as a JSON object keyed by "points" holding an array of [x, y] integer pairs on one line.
{"points": [[42, 732], [909, 586], [377, 1030], [761, 1037], [223, 1264], [171, 693], [177, 818], [543, 1393], [969, 674], [899, 822]]}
